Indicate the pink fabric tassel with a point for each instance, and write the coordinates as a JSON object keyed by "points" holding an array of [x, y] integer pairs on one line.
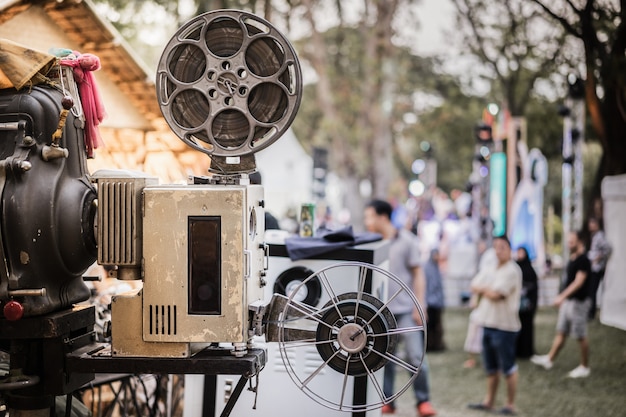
{"points": [[93, 108]]}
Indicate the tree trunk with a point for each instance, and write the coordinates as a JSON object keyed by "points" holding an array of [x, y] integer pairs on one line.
{"points": [[354, 202]]}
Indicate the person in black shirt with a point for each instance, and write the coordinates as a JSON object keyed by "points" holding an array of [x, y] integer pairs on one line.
{"points": [[574, 303], [528, 305]]}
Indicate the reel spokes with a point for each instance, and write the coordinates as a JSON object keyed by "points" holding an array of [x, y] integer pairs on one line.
{"points": [[228, 83], [353, 332]]}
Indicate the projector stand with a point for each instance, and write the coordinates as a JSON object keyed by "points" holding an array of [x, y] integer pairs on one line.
{"points": [[54, 355]]}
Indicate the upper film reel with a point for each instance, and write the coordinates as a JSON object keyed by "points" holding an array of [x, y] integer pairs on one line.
{"points": [[228, 83]]}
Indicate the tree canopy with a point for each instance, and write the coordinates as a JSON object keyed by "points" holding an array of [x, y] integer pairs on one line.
{"points": [[371, 100], [600, 26]]}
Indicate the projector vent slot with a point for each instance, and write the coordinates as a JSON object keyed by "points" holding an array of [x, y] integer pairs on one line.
{"points": [[120, 219], [117, 223], [163, 320]]}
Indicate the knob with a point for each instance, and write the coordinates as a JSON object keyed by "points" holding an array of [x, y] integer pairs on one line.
{"points": [[25, 165], [13, 310]]}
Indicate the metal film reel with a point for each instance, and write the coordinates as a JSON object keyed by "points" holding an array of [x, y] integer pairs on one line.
{"points": [[228, 83], [354, 333], [291, 279]]}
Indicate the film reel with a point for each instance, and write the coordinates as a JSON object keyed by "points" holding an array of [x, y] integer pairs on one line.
{"points": [[354, 333], [290, 279], [228, 83]]}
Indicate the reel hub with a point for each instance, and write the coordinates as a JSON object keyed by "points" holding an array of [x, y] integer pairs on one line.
{"points": [[359, 326]]}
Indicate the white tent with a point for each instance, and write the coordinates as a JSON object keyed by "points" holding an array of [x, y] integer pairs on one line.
{"points": [[287, 172], [613, 307]]}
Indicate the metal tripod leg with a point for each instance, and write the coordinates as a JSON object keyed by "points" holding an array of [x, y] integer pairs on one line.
{"points": [[234, 397]]}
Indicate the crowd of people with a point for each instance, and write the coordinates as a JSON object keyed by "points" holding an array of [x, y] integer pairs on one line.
{"points": [[504, 300], [503, 293]]}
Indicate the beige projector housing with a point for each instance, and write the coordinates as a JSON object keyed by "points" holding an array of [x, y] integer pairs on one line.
{"points": [[202, 264]]}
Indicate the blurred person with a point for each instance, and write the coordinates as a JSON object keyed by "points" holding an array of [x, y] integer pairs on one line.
{"points": [[598, 254], [574, 303], [499, 291], [435, 303], [528, 305], [462, 202], [399, 215], [474, 338], [404, 262], [442, 204]]}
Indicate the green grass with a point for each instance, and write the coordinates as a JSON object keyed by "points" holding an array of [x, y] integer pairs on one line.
{"points": [[540, 392]]}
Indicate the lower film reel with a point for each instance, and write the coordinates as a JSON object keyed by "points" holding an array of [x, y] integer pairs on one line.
{"points": [[228, 83], [290, 279], [354, 333]]}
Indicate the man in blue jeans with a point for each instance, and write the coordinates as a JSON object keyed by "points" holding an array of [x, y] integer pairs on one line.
{"points": [[499, 289], [404, 263]]}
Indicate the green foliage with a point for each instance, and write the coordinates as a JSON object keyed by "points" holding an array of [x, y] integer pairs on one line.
{"points": [[427, 105], [507, 38], [449, 128], [148, 24], [426, 102], [600, 29], [145, 24]]}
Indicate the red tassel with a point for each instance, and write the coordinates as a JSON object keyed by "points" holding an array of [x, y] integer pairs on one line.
{"points": [[93, 108]]}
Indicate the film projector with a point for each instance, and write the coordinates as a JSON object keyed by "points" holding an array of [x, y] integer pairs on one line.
{"points": [[229, 85]]}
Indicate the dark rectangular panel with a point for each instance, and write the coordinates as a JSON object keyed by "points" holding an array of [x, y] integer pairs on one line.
{"points": [[205, 265]]}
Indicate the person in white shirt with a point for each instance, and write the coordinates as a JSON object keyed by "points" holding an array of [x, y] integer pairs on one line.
{"points": [[499, 289]]}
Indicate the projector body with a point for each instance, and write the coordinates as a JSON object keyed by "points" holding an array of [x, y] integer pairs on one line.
{"points": [[202, 262]]}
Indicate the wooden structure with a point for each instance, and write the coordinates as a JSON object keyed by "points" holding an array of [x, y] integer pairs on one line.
{"points": [[135, 134]]}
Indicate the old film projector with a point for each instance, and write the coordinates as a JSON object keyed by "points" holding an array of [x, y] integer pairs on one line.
{"points": [[229, 84]]}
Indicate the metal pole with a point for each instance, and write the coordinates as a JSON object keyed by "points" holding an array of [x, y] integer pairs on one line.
{"points": [[566, 175], [579, 122], [477, 202], [573, 138]]}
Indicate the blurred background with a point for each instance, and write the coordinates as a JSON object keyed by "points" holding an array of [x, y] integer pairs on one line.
{"points": [[473, 117]]}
